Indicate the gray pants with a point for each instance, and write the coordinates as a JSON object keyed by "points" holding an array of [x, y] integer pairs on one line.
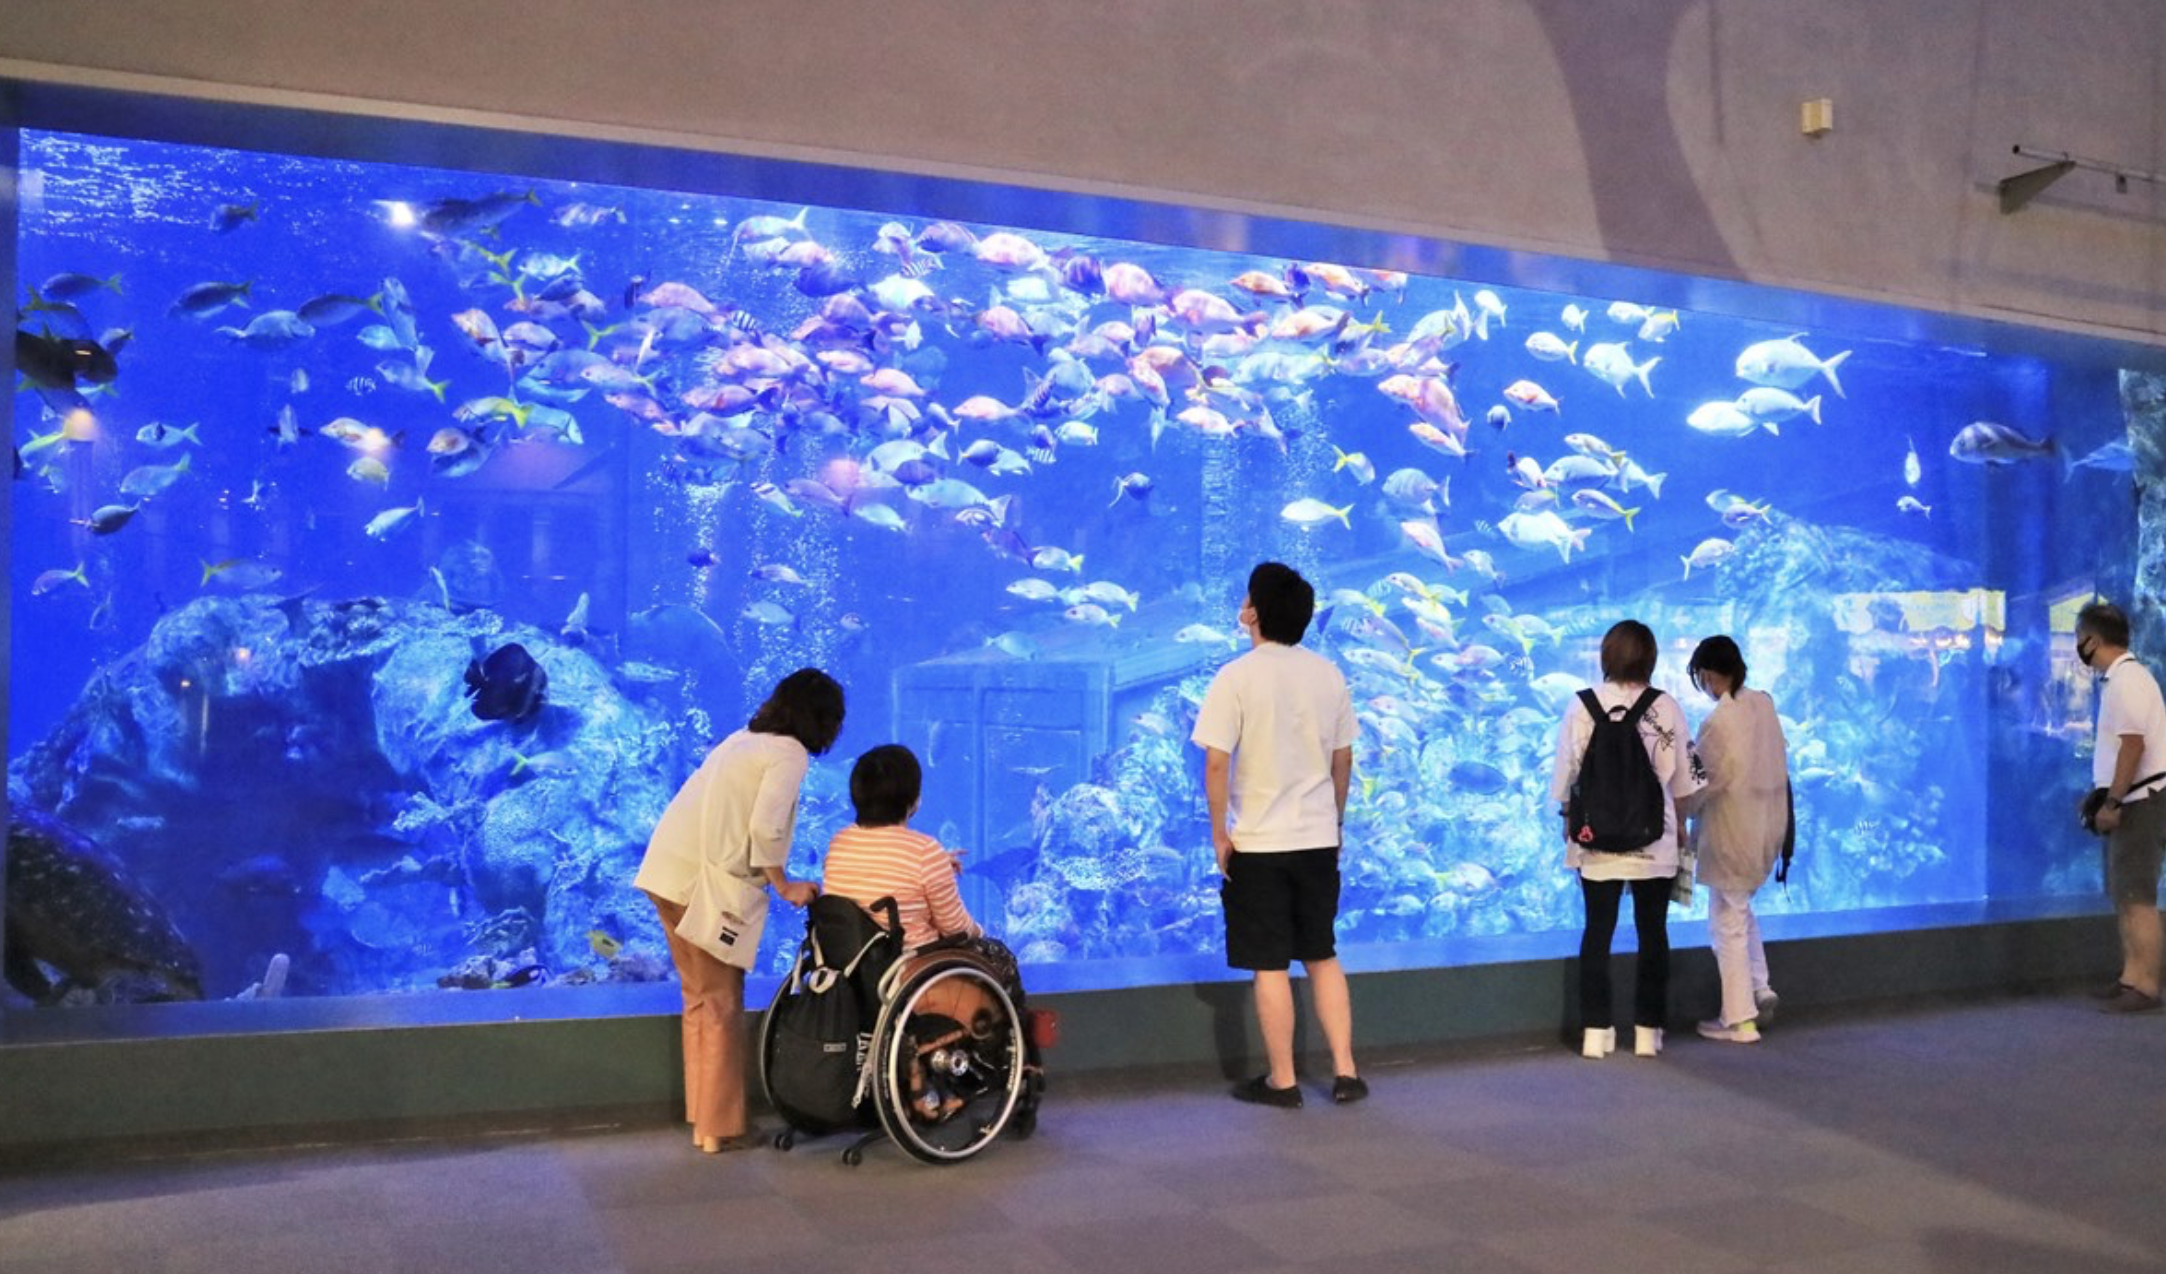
{"points": [[2133, 852]]}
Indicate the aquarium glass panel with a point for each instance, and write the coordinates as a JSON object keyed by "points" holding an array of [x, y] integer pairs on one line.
{"points": [[389, 543]]}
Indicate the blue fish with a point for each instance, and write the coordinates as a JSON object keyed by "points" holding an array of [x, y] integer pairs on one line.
{"points": [[2114, 457], [1478, 777], [271, 330]]}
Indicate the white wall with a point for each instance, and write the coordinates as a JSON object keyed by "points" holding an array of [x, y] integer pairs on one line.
{"points": [[1656, 132]]}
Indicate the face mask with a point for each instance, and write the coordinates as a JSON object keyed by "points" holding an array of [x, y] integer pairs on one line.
{"points": [[2084, 653]]}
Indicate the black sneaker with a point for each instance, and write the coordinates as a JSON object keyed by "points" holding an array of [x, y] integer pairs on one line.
{"points": [[1260, 1092], [1347, 1089]]}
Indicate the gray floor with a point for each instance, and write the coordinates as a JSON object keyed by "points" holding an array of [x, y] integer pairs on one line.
{"points": [[2021, 1136]]}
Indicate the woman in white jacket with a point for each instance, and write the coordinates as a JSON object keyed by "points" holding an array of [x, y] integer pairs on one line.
{"points": [[1739, 822], [734, 817]]}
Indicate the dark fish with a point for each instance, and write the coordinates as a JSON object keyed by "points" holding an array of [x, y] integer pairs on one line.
{"points": [[467, 216], [74, 908], [1080, 272], [265, 875], [52, 362], [67, 287], [828, 278], [507, 685], [334, 308], [702, 558], [1987, 442], [208, 298], [945, 236], [230, 216], [525, 975], [916, 473], [561, 289], [108, 518]]}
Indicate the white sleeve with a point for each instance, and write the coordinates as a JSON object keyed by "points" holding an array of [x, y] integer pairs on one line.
{"points": [[1346, 730], [1685, 778], [774, 809], [1716, 756], [1572, 735], [1218, 719]]}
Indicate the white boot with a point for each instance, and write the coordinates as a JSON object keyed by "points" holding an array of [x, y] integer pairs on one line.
{"points": [[1647, 1041], [1598, 1044]]}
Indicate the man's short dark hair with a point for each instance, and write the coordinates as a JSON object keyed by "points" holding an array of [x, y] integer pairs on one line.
{"points": [[1720, 655], [1284, 602], [2104, 621], [806, 706], [884, 785], [1628, 653]]}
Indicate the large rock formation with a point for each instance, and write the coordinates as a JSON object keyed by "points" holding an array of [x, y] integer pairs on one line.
{"points": [[306, 776]]}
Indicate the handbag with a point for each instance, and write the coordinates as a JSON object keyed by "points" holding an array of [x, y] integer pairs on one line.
{"points": [[725, 916], [2095, 801], [1688, 865]]}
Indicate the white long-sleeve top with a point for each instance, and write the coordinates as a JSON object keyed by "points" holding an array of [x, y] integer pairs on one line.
{"points": [[1740, 816], [1669, 751], [737, 813]]}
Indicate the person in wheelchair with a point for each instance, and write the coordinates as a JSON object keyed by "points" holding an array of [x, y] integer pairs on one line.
{"points": [[880, 857]]}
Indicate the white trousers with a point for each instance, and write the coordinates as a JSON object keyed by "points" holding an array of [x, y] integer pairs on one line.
{"points": [[1734, 932]]}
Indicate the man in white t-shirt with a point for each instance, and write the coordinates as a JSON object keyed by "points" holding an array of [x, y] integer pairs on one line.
{"points": [[2129, 761], [1277, 727]]}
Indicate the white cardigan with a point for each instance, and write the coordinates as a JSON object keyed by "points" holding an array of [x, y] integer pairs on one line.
{"points": [[1738, 819], [737, 812]]}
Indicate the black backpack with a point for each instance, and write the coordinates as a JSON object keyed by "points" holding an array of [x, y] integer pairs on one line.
{"points": [[822, 1017], [1617, 805]]}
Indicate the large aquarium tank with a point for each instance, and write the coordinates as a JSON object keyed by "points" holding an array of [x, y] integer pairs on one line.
{"points": [[389, 542]]}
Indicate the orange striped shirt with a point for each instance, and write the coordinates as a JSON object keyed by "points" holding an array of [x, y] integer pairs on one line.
{"points": [[866, 864]]}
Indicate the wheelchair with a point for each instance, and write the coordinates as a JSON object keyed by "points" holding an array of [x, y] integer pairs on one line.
{"points": [[931, 1049]]}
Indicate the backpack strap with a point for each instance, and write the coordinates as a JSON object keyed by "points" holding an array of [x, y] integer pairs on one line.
{"points": [[1594, 705], [1640, 706]]}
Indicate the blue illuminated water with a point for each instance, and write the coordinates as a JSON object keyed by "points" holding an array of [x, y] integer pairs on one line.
{"points": [[252, 703]]}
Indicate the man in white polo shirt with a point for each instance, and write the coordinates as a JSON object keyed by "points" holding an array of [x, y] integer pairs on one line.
{"points": [[2129, 762], [1277, 727]]}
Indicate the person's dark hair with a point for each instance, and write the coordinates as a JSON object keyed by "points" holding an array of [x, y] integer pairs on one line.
{"points": [[1628, 653], [884, 784], [1720, 655], [2104, 621], [1284, 602], [807, 706]]}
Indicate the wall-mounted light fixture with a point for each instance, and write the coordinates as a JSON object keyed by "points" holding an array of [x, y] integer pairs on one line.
{"points": [[2020, 189]]}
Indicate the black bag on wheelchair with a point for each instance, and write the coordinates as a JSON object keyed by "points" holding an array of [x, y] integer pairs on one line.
{"points": [[822, 1017]]}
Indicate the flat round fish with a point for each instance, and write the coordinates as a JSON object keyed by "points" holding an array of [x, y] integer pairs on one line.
{"points": [[76, 909]]}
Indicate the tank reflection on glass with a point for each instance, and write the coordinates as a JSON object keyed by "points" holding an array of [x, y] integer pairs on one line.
{"points": [[389, 542]]}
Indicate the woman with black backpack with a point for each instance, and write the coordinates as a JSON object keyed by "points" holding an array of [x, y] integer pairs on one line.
{"points": [[1624, 758]]}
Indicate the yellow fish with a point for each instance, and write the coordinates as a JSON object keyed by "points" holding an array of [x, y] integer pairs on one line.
{"points": [[604, 946]]}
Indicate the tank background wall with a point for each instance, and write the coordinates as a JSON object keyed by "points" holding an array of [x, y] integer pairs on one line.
{"points": [[1661, 133]]}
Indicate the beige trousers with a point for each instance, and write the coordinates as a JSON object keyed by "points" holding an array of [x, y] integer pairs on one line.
{"points": [[714, 1032]]}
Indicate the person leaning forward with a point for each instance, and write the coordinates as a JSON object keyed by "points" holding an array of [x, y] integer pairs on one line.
{"points": [[2128, 762], [1277, 727]]}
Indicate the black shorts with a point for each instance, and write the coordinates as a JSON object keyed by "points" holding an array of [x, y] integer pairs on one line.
{"points": [[1280, 908]]}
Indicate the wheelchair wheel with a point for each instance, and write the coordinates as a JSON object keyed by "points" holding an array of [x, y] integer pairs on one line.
{"points": [[945, 1088]]}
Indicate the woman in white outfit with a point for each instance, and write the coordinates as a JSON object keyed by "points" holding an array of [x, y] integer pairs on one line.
{"points": [[1739, 822]]}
